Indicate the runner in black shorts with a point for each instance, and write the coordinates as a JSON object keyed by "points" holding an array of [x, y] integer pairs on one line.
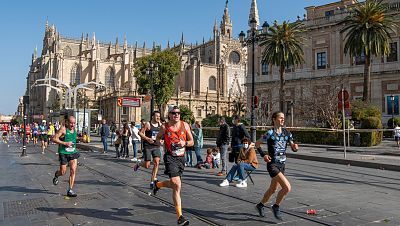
{"points": [[150, 149], [177, 136], [277, 139]]}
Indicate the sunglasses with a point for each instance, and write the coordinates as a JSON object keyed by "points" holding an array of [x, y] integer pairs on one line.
{"points": [[175, 113]]}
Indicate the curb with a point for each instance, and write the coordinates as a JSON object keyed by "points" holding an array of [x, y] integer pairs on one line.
{"points": [[373, 165]]}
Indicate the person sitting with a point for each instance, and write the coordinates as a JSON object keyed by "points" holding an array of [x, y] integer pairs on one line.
{"points": [[247, 161], [208, 164], [216, 157]]}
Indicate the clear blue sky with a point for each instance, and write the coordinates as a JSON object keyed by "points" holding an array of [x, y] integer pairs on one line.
{"points": [[22, 25]]}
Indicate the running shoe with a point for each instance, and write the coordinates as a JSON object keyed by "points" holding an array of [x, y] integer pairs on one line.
{"points": [[155, 188], [260, 209], [71, 193], [55, 179], [277, 212], [183, 221]]}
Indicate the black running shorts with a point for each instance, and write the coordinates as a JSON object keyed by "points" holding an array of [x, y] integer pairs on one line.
{"points": [[148, 153], [44, 137], [174, 165], [275, 168], [396, 138], [65, 158]]}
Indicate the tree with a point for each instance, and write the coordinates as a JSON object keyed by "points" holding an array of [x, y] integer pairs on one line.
{"points": [[368, 29], [239, 108], [186, 114], [282, 48], [163, 80]]}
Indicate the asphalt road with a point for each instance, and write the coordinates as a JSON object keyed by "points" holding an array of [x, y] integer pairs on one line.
{"points": [[111, 193]]}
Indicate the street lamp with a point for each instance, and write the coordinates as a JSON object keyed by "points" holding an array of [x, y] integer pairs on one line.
{"points": [[25, 101], [150, 71], [251, 40], [392, 99]]}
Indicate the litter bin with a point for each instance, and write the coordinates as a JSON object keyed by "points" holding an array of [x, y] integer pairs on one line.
{"points": [[357, 139]]}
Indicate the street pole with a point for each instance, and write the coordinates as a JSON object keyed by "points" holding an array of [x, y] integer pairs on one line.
{"points": [[253, 129], [24, 102], [84, 112], [292, 112], [344, 124], [392, 99]]}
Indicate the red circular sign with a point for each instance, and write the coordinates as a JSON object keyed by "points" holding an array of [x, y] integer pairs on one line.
{"points": [[343, 95]]}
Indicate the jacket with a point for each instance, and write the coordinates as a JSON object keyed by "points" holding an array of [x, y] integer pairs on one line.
{"points": [[248, 157], [198, 137], [238, 133], [224, 136], [105, 130]]}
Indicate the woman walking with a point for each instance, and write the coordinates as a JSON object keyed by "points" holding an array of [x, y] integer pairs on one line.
{"points": [[125, 141]]}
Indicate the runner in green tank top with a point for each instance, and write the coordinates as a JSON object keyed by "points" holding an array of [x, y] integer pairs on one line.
{"points": [[67, 153]]}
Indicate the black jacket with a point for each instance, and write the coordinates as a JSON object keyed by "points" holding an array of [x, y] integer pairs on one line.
{"points": [[238, 133], [224, 136]]}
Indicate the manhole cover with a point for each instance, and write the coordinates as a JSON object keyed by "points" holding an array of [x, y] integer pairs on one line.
{"points": [[91, 196], [23, 207]]}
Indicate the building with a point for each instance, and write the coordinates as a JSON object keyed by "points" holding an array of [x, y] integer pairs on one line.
{"points": [[326, 68], [213, 73], [77, 61]]}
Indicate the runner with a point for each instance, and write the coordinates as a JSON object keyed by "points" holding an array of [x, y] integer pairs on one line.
{"points": [[35, 133], [150, 149], [67, 153], [50, 133], [277, 139], [43, 135], [5, 134], [28, 133], [177, 136], [397, 135]]}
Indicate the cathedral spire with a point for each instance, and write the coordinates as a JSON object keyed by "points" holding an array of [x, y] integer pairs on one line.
{"points": [[254, 14], [168, 47], [94, 41], [125, 42], [226, 23], [182, 40]]}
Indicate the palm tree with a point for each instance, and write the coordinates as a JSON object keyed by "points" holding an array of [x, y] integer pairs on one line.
{"points": [[283, 49], [368, 29]]}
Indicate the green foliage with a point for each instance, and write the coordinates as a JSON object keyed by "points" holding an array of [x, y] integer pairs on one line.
{"points": [[362, 110], [186, 114], [396, 121], [211, 121], [371, 123], [163, 80], [17, 120]]}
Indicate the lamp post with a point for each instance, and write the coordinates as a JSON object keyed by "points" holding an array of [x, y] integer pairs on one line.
{"points": [[25, 101], [251, 40], [84, 113], [150, 71], [392, 99]]}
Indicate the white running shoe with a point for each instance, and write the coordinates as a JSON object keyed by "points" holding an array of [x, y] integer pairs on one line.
{"points": [[224, 183], [134, 160], [242, 184]]}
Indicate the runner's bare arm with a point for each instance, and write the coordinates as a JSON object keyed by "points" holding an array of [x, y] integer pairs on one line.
{"points": [[160, 135], [142, 132], [56, 138]]}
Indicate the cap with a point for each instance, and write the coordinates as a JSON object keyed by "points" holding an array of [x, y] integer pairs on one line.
{"points": [[44, 121], [172, 108]]}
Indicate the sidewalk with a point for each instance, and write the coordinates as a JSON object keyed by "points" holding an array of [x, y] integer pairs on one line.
{"points": [[385, 156]]}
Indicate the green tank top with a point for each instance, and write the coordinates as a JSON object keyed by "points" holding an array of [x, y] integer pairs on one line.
{"points": [[68, 137]]}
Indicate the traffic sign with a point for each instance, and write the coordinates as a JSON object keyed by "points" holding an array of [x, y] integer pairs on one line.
{"points": [[343, 95], [119, 101], [129, 102], [346, 105]]}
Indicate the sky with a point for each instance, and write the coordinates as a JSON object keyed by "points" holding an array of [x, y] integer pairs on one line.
{"points": [[22, 26]]}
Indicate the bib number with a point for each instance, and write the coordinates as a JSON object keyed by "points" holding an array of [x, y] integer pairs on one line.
{"points": [[178, 152], [70, 149]]}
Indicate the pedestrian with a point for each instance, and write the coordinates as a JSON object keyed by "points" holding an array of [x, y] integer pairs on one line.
{"points": [[117, 143], [67, 153], [113, 128], [104, 133], [126, 133], [177, 137], [276, 139], [189, 157], [223, 141], [135, 140], [43, 135], [148, 133], [239, 132], [198, 141], [397, 135], [246, 161]]}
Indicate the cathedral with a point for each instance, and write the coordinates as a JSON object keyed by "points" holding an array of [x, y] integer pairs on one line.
{"points": [[211, 80]]}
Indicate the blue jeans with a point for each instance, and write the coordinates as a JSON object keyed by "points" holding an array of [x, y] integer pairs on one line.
{"points": [[135, 144], [104, 141], [197, 151], [224, 162], [240, 170], [112, 137], [189, 156]]}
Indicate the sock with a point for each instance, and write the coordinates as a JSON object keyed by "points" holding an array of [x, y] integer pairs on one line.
{"points": [[276, 205], [162, 184], [178, 211]]}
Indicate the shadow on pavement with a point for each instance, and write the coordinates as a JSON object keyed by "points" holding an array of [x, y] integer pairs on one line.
{"points": [[25, 190], [97, 182]]}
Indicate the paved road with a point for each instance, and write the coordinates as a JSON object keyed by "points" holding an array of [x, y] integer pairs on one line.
{"points": [[110, 193]]}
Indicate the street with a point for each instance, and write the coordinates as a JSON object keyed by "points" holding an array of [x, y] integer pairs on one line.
{"points": [[110, 192]]}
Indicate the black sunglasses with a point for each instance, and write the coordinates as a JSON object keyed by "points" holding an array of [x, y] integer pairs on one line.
{"points": [[175, 113]]}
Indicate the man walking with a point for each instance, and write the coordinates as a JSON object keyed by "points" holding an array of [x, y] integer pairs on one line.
{"points": [[223, 143], [67, 153], [239, 132], [104, 133], [397, 135], [150, 149], [135, 140], [177, 136]]}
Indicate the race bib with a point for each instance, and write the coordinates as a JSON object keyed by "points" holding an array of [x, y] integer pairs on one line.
{"points": [[70, 149], [178, 152], [154, 135]]}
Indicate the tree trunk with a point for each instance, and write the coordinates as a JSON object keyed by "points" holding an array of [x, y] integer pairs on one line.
{"points": [[367, 79], [282, 88]]}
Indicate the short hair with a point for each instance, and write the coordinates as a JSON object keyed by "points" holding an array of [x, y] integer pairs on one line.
{"points": [[236, 117], [246, 140], [222, 119], [209, 150], [155, 112]]}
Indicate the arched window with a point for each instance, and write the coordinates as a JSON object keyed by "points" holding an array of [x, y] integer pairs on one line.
{"points": [[75, 78], [264, 68], [110, 78], [234, 57], [67, 51], [212, 83]]}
